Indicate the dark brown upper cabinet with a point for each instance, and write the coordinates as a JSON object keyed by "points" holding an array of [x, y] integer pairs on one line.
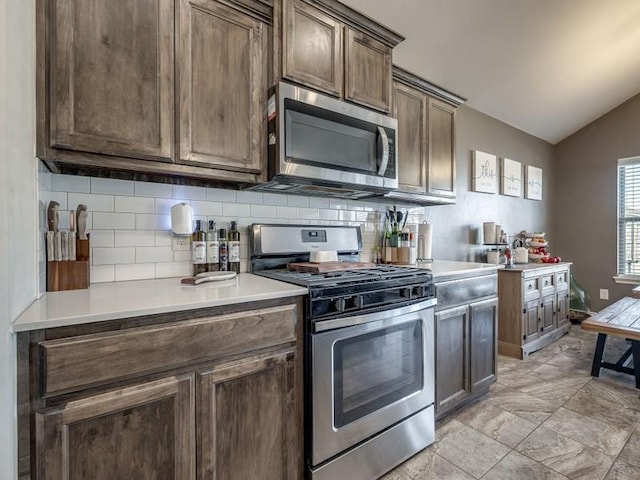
{"points": [[169, 87], [331, 48], [426, 140], [111, 77], [222, 65]]}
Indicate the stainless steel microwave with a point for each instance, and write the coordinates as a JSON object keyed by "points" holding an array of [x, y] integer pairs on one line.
{"points": [[319, 145]]}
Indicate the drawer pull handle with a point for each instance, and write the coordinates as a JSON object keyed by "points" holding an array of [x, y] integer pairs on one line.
{"points": [[530, 286]]}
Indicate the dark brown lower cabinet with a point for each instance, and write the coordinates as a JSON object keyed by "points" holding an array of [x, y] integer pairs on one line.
{"points": [[466, 340], [245, 413], [143, 431], [209, 394]]}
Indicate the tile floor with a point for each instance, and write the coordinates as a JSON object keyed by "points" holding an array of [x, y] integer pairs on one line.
{"points": [[545, 418]]}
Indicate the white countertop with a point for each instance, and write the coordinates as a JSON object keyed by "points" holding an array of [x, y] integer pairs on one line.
{"points": [[115, 300], [440, 268]]}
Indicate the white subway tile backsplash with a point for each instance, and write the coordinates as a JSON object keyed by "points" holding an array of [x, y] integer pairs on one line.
{"points": [[102, 273], [338, 203], [206, 208], [274, 199], [162, 238], [113, 256], [153, 254], [113, 221], [319, 202], [94, 203], [325, 214], [236, 210], [287, 212], [134, 204], [266, 211], [145, 221], [297, 201], [135, 272], [156, 190], [134, 238], [249, 197], [70, 183], [189, 193], [346, 216], [308, 213], [111, 186], [221, 195], [182, 256], [355, 205], [173, 269], [163, 205], [102, 238]]}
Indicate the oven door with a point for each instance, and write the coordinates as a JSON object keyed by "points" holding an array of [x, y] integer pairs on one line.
{"points": [[369, 376]]}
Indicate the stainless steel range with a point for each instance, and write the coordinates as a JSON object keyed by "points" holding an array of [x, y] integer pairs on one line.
{"points": [[369, 352]]}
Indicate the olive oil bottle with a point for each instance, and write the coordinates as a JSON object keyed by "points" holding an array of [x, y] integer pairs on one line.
{"points": [[233, 246], [199, 249]]}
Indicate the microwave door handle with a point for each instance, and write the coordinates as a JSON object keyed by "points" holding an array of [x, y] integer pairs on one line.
{"points": [[385, 151]]}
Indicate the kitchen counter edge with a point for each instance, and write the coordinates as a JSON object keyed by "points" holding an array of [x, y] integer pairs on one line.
{"points": [[117, 300]]}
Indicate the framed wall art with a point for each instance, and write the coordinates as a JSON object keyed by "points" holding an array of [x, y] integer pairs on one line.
{"points": [[484, 175], [533, 183], [511, 178]]}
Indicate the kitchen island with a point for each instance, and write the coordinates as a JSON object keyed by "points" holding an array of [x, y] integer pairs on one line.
{"points": [[135, 379]]}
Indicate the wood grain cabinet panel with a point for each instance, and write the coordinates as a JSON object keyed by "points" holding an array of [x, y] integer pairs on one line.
{"points": [[452, 357], [312, 47], [531, 320], [441, 179], [111, 77], [562, 317], [410, 108], [145, 431], [548, 313], [222, 62], [367, 71], [483, 343], [247, 420]]}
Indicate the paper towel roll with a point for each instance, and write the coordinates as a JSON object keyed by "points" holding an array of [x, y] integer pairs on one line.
{"points": [[424, 241]]}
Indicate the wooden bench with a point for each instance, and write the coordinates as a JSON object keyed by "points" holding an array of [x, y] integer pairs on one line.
{"points": [[620, 319]]}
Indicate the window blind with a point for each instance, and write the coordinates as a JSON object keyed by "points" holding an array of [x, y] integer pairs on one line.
{"points": [[629, 216]]}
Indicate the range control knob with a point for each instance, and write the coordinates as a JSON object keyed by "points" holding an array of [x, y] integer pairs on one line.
{"points": [[339, 304]]}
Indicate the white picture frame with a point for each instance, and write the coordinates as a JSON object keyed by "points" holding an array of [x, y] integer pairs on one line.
{"points": [[533, 183], [511, 178], [484, 175]]}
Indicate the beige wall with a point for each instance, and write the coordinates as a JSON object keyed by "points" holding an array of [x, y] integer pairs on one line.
{"points": [[18, 198], [456, 227], [586, 210]]}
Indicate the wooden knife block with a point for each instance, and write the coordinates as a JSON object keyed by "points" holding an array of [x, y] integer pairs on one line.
{"points": [[73, 275]]}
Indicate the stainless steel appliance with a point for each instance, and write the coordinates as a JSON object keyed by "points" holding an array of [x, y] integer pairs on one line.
{"points": [[369, 352], [319, 145]]}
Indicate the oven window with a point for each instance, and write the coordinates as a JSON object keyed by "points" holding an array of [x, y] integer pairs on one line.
{"points": [[376, 369]]}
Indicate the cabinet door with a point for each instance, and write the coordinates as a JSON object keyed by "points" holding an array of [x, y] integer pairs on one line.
{"points": [[367, 71], [143, 432], [562, 316], [483, 343], [442, 158], [548, 313], [312, 48], [410, 108], [531, 320], [247, 420], [111, 74], [452, 357], [222, 61]]}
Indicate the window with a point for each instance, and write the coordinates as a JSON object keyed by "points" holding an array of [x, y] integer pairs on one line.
{"points": [[629, 218]]}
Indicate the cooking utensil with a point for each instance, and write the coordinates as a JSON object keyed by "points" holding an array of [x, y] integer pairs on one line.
{"points": [[328, 266]]}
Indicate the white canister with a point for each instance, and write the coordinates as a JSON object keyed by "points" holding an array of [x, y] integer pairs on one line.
{"points": [[493, 257], [521, 255], [489, 232]]}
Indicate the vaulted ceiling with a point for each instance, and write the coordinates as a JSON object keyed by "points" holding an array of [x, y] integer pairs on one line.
{"points": [[547, 67]]}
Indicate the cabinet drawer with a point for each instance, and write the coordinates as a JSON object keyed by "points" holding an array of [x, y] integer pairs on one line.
{"points": [[73, 363], [546, 283], [464, 291], [562, 280], [531, 288]]}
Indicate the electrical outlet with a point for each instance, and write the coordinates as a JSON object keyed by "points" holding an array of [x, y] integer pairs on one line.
{"points": [[604, 294], [180, 244]]}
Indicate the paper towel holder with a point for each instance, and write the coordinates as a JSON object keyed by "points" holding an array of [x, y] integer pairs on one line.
{"points": [[182, 219]]}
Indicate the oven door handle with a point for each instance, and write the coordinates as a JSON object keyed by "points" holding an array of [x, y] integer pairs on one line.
{"points": [[353, 320]]}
